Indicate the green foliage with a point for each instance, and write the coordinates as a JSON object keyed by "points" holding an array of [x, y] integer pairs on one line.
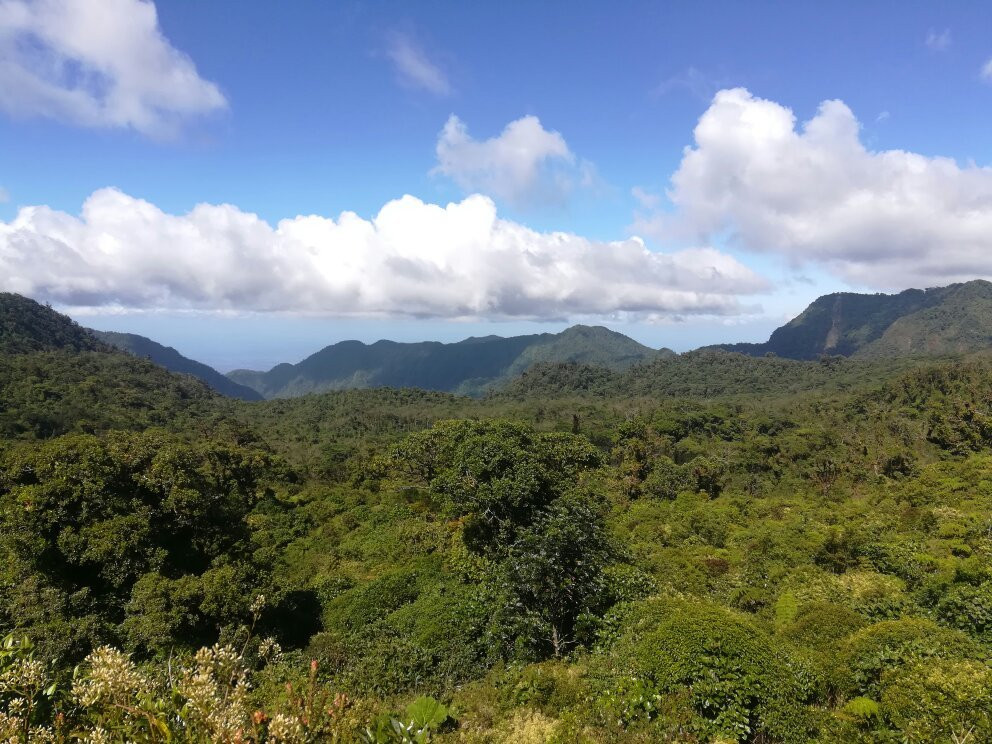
{"points": [[47, 394], [739, 684], [204, 697], [701, 548], [870, 654], [172, 360], [940, 700], [820, 625], [862, 708], [27, 326], [968, 608], [516, 492], [119, 525]]}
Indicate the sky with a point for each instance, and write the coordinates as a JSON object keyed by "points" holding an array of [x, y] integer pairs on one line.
{"points": [[249, 182]]}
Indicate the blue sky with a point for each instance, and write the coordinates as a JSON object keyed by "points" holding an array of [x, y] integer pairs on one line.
{"points": [[570, 117]]}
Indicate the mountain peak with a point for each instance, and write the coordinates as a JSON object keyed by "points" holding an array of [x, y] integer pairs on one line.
{"points": [[470, 366], [933, 321]]}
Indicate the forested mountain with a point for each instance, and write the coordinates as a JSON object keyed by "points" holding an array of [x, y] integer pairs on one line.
{"points": [[173, 361], [467, 367], [27, 326], [938, 321], [701, 374], [705, 548]]}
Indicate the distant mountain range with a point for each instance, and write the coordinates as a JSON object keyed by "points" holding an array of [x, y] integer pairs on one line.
{"points": [[172, 360], [943, 321], [918, 322], [467, 367]]}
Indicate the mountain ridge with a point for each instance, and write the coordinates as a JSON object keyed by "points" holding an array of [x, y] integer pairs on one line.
{"points": [[470, 366], [915, 322], [27, 326], [172, 360]]}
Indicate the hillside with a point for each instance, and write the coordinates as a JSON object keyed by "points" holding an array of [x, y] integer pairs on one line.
{"points": [[27, 326], [57, 378], [931, 322], [703, 374], [696, 548], [172, 360], [960, 323], [467, 367]]}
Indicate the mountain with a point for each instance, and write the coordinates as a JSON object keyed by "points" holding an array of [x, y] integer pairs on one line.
{"points": [[468, 367], [172, 360], [918, 322], [57, 378], [27, 326]]}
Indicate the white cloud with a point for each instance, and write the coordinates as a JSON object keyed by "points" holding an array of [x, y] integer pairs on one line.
{"points": [[938, 40], [98, 63], [412, 258], [4, 195], [414, 67], [815, 193], [987, 70], [645, 198], [526, 165]]}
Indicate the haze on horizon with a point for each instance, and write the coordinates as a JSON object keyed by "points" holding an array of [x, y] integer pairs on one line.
{"points": [[251, 186]]}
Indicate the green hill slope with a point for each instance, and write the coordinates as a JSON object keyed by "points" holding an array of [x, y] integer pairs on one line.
{"points": [[27, 326], [937, 321], [469, 367], [960, 323], [57, 378], [173, 361]]}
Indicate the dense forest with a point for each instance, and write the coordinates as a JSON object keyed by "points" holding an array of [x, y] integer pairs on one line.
{"points": [[709, 547]]}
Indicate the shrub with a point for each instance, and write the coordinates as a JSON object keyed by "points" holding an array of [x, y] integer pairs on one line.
{"points": [[891, 644], [935, 701], [739, 684], [968, 608], [821, 625]]}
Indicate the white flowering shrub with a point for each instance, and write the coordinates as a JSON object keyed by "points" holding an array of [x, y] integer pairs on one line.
{"points": [[24, 689], [112, 700]]}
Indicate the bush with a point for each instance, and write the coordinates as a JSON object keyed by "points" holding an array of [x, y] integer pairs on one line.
{"points": [[740, 685], [933, 700], [889, 645], [821, 625], [968, 608]]}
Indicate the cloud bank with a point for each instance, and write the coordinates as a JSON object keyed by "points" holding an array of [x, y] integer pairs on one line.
{"points": [[97, 63], [524, 165], [412, 258], [886, 219]]}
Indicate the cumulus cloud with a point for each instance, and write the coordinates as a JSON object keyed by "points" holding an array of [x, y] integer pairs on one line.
{"points": [[414, 67], [814, 193], [412, 258], [938, 40], [525, 165], [98, 63]]}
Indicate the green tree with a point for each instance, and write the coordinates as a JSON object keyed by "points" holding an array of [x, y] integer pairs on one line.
{"points": [[541, 534], [141, 529]]}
